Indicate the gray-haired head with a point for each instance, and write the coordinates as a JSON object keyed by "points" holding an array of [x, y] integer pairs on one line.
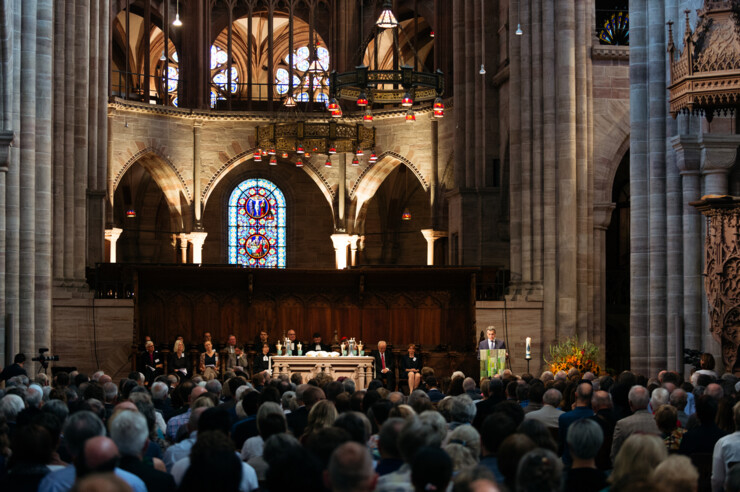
{"points": [[462, 409], [552, 397], [11, 406], [34, 395], [159, 391], [80, 427], [129, 431], [585, 438], [659, 398], [638, 397]]}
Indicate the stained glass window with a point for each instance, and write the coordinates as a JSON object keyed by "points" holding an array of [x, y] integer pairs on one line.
{"points": [[170, 79], [612, 22], [302, 80], [219, 75], [257, 225]]}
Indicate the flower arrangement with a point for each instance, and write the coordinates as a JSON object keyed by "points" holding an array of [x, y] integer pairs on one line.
{"points": [[570, 353]]}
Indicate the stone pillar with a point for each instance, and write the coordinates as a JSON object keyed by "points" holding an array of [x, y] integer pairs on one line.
{"points": [[639, 199], [431, 236], [196, 240], [340, 241], [717, 158], [197, 224], [353, 240], [566, 165], [688, 160], [6, 139], [342, 191], [184, 248], [112, 235], [602, 219]]}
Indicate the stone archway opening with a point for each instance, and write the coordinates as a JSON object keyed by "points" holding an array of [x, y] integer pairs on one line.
{"points": [[142, 210], [617, 256]]}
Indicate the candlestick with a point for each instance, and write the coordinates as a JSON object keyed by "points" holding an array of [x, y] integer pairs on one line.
{"points": [[528, 354]]}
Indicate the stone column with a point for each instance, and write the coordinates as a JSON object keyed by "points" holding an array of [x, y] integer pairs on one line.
{"points": [[549, 179], [717, 158], [340, 241], [566, 152], [688, 160], [196, 240], [639, 203], [602, 219], [431, 236], [112, 235], [184, 248], [353, 240], [197, 225], [6, 139], [342, 192]]}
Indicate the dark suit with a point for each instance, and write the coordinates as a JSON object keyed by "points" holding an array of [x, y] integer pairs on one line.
{"points": [[312, 346], [177, 363], [153, 479], [408, 363], [259, 364], [148, 365], [388, 378]]}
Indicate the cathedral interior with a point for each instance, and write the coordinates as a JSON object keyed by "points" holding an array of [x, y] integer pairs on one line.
{"points": [[409, 170]]}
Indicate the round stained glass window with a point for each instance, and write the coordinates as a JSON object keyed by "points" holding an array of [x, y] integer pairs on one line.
{"points": [[257, 246]]}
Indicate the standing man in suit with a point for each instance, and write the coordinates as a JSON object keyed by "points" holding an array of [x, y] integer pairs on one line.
{"points": [[385, 367], [491, 342]]}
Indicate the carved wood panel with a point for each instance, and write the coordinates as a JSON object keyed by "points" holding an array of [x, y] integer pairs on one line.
{"points": [[722, 278], [426, 306]]}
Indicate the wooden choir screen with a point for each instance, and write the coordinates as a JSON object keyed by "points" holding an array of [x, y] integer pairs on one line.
{"points": [[427, 306]]}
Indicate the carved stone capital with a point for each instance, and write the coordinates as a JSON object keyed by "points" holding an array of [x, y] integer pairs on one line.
{"points": [[6, 141], [688, 153], [718, 153], [603, 215]]}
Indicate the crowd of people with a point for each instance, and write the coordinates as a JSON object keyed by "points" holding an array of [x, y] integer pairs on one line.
{"points": [[564, 431]]}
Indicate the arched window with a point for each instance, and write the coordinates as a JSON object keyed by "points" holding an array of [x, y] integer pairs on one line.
{"points": [[302, 82], [219, 75], [257, 225]]}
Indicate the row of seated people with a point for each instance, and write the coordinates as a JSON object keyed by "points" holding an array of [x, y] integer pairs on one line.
{"points": [[211, 363]]}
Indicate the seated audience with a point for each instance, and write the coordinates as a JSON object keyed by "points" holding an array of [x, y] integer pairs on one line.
{"points": [[584, 440]]}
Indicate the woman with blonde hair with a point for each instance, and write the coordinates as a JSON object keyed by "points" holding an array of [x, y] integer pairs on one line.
{"points": [[178, 360], [322, 414], [636, 459]]}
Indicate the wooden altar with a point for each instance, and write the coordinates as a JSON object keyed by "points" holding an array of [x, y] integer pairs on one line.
{"points": [[359, 369]]}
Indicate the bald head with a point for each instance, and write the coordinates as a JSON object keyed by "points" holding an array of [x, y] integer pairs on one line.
{"points": [[196, 392], [715, 391], [126, 405], [195, 417], [601, 401], [100, 454], [351, 468]]}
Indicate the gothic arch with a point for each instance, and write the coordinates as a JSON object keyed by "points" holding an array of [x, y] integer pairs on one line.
{"points": [[372, 177], [321, 181], [611, 142], [167, 177]]}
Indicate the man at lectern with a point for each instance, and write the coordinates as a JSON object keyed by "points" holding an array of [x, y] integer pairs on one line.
{"points": [[491, 342]]}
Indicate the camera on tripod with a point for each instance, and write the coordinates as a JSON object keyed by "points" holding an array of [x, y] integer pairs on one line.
{"points": [[45, 359]]}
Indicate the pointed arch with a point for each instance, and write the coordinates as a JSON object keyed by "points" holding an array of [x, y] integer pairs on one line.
{"points": [[372, 177], [165, 175]]}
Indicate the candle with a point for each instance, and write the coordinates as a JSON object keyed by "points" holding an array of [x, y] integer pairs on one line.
{"points": [[529, 348]]}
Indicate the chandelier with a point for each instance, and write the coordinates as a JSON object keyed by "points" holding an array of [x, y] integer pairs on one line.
{"points": [[306, 138], [405, 86]]}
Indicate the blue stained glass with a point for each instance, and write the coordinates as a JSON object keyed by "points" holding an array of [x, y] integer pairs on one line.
{"points": [[257, 225]]}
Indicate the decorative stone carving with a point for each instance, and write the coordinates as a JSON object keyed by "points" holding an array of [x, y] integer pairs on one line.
{"points": [[359, 369], [6, 141], [705, 76], [722, 272]]}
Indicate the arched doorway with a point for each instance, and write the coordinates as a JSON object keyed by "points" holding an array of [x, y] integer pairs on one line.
{"points": [[618, 272]]}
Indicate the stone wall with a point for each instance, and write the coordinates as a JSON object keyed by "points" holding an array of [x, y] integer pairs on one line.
{"points": [[92, 334]]}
